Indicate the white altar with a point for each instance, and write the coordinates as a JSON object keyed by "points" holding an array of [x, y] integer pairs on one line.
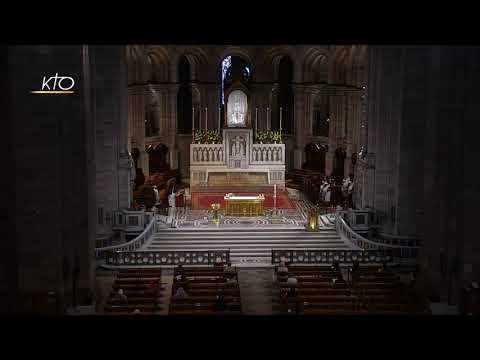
{"points": [[237, 157], [237, 161]]}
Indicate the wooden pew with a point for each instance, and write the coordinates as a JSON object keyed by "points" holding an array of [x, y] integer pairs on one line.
{"points": [[130, 308]]}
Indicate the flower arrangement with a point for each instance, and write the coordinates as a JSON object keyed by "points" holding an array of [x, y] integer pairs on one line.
{"points": [[207, 137], [268, 137]]}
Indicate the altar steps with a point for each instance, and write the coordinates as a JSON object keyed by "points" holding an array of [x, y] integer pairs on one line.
{"points": [[246, 246]]}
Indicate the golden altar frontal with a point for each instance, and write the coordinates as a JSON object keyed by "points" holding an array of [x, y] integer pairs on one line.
{"points": [[244, 205]]}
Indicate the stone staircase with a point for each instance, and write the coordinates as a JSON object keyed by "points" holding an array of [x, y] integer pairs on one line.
{"points": [[247, 246]]}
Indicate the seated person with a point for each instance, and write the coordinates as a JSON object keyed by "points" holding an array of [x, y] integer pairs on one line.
{"points": [[220, 302], [183, 282], [292, 292], [179, 272], [152, 289], [283, 293], [181, 294], [383, 267], [235, 306], [229, 269], [292, 281], [231, 281], [282, 269], [355, 266], [218, 265], [121, 297], [335, 266]]}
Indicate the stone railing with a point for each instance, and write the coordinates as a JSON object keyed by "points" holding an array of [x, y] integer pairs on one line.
{"points": [[201, 154], [399, 253], [268, 154], [132, 245], [132, 258], [329, 256]]}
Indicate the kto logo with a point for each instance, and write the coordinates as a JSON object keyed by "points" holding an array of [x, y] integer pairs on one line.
{"points": [[56, 85]]}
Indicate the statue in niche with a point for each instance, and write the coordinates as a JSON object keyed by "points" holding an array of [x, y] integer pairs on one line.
{"points": [[237, 146], [236, 109]]}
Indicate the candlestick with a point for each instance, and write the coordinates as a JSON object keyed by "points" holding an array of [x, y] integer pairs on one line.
{"points": [[268, 118], [219, 116], [200, 118], [256, 119], [281, 112], [275, 196], [206, 119], [193, 119]]}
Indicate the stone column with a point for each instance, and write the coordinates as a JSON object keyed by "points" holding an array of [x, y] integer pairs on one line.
{"points": [[172, 121], [450, 254], [125, 164], [136, 104], [50, 145], [300, 126]]}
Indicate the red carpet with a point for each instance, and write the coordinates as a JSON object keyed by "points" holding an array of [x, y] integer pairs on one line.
{"points": [[202, 199]]}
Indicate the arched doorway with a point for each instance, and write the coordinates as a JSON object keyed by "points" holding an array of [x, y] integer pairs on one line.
{"points": [[321, 117], [184, 97], [284, 97], [339, 165], [315, 157], [158, 158]]}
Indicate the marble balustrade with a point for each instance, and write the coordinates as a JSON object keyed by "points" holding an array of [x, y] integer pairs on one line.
{"points": [[207, 154]]}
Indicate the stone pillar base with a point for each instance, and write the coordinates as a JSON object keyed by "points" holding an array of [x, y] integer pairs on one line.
{"points": [[143, 163], [298, 158], [173, 159]]}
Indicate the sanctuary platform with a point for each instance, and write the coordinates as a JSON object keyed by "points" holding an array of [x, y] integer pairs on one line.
{"points": [[202, 197]]}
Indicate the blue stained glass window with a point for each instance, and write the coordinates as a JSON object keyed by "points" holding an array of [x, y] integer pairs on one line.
{"points": [[226, 63]]}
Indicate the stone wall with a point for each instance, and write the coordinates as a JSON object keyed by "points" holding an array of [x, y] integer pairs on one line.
{"points": [[205, 63], [68, 157], [53, 179]]}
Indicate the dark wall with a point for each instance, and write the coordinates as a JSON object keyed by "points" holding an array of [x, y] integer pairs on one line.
{"points": [[451, 255], [51, 176]]}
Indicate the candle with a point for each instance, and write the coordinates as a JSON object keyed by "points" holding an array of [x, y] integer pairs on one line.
{"points": [[193, 119], [275, 196], [281, 111], [206, 119], [219, 116], [200, 118], [268, 118], [256, 119]]}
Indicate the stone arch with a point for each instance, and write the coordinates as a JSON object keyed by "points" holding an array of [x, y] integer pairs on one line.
{"points": [[350, 65], [134, 56], [315, 66], [197, 57], [337, 66], [158, 65], [236, 51], [274, 55], [361, 66]]}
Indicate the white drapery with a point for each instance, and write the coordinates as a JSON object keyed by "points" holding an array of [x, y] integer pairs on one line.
{"points": [[237, 109]]}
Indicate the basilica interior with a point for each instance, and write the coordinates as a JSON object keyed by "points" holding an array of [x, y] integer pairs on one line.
{"points": [[241, 179]]}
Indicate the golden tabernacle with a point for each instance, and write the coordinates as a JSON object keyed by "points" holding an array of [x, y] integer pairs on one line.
{"points": [[244, 205]]}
